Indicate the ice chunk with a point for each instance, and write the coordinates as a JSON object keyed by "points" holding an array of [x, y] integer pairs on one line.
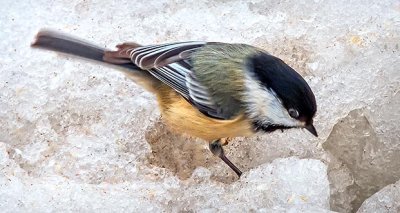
{"points": [[386, 200], [285, 185]]}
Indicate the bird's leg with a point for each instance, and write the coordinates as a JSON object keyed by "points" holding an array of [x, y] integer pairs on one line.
{"points": [[217, 150]]}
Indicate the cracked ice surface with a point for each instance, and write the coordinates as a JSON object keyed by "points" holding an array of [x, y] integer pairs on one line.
{"points": [[307, 189], [386, 200], [78, 136]]}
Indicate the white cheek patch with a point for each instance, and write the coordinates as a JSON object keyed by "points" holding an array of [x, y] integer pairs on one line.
{"points": [[264, 105]]}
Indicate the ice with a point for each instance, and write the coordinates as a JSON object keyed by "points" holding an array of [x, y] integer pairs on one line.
{"points": [[386, 200], [265, 188], [79, 136], [363, 163]]}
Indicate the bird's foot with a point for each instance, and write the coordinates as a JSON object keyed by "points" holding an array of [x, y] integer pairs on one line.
{"points": [[216, 148]]}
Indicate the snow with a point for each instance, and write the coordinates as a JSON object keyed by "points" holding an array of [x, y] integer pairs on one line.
{"points": [[78, 136]]}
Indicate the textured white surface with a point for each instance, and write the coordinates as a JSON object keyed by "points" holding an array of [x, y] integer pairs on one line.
{"points": [[386, 200], [89, 134], [307, 188]]}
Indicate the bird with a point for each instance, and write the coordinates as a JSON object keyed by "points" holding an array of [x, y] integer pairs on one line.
{"points": [[208, 90]]}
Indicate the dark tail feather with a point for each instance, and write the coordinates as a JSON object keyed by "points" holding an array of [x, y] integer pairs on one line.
{"points": [[58, 42]]}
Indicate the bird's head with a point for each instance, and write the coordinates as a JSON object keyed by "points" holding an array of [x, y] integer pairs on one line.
{"points": [[276, 96]]}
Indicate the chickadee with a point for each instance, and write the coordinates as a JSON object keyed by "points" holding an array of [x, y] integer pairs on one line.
{"points": [[209, 90]]}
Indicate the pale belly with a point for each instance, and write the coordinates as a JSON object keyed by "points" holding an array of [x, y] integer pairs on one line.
{"points": [[182, 117]]}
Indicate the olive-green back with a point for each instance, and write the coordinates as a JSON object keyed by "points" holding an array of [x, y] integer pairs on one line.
{"points": [[220, 67]]}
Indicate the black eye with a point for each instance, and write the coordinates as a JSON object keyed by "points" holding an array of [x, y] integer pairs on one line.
{"points": [[293, 113]]}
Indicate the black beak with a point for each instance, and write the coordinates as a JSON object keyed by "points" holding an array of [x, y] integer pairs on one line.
{"points": [[311, 128]]}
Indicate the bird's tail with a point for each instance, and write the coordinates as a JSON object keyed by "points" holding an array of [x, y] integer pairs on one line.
{"points": [[66, 44]]}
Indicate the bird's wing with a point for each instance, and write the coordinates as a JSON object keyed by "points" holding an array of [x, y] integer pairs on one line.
{"points": [[171, 64]]}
